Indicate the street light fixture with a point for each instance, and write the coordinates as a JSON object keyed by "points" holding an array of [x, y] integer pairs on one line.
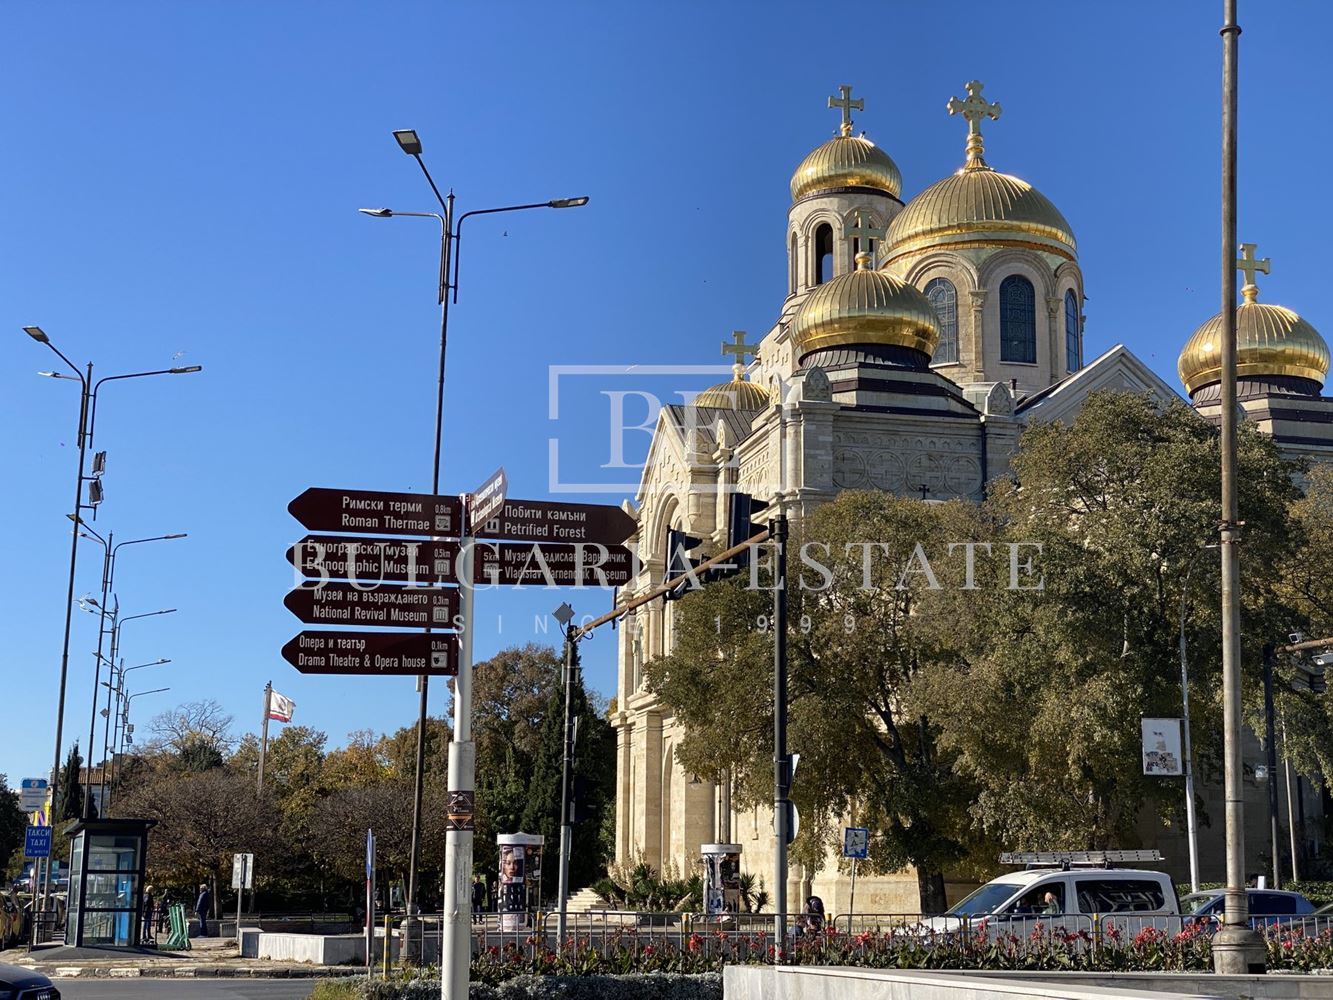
{"points": [[450, 237], [87, 417], [110, 548]]}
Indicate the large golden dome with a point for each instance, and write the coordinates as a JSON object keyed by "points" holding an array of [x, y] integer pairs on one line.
{"points": [[846, 161], [978, 206], [865, 308], [1270, 340]]}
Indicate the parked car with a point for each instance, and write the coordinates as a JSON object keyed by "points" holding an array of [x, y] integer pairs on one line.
{"points": [[1267, 906], [1071, 899], [24, 984]]}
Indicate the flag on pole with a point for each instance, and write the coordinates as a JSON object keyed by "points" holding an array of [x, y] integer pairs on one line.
{"points": [[280, 707]]}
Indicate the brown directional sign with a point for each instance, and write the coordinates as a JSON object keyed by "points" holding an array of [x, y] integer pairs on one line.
{"points": [[488, 499], [369, 561], [383, 654], [386, 604], [375, 513], [554, 564], [552, 521], [373, 560]]}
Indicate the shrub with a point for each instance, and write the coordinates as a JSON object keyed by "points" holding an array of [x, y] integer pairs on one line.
{"points": [[655, 986]]}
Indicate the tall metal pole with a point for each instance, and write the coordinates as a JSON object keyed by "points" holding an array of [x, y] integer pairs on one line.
{"points": [[107, 557], [263, 738], [1237, 949], [456, 957], [566, 831], [781, 761], [1270, 745], [69, 606], [418, 788]]}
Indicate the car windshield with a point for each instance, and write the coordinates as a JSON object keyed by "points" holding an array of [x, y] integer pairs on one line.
{"points": [[1198, 902], [989, 898]]}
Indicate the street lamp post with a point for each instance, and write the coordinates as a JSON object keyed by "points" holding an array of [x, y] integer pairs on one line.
{"points": [[111, 723], [116, 633], [109, 550], [458, 842], [1190, 819], [87, 411], [565, 615], [129, 699]]}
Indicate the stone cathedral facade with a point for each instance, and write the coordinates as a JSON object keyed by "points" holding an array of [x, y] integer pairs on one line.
{"points": [[918, 337]]}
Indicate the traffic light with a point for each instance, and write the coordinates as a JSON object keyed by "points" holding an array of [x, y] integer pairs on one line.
{"points": [[741, 526], [678, 562]]}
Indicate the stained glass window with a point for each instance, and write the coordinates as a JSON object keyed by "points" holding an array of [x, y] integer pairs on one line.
{"points": [[944, 297], [1018, 320]]}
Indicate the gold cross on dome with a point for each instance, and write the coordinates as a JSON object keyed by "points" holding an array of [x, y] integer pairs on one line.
{"points": [[847, 105], [738, 348], [1251, 266], [973, 110], [861, 231]]}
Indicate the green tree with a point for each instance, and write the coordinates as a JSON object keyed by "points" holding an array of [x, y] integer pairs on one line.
{"points": [[13, 821], [69, 801], [592, 783], [856, 641], [1039, 700]]}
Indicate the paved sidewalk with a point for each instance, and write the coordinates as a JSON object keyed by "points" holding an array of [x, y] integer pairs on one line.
{"points": [[208, 958]]}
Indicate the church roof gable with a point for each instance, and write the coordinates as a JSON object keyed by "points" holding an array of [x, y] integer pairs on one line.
{"points": [[1119, 369]]}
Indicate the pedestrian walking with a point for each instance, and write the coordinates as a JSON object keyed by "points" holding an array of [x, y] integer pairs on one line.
{"points": [[201, 907], [478, 895], [148, 900]]}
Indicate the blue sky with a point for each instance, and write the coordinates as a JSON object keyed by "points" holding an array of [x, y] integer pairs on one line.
{"points": [[180, 182]]}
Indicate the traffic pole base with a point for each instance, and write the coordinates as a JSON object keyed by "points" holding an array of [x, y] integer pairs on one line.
{"points": [[411, 946], [1239, 951]]}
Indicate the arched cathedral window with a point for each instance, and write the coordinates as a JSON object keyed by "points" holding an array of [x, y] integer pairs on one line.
{"points": [[823, 253], [1018, 320], [1073, 334], [944, 297], [793, 265]]}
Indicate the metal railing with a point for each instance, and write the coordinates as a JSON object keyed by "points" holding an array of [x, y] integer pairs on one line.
{"points": [[1036, 941]]}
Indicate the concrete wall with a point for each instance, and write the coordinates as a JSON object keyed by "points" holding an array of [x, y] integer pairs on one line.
{"points": [[815, 983], [810, 983]]}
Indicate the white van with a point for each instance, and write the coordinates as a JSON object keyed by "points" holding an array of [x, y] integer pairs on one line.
{"points": [[1069, 889]]}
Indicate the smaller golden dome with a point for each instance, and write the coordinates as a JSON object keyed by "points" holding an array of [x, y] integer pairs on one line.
{"points": [[846, 161], [738, 394], [862, 309], [1270, 340]]}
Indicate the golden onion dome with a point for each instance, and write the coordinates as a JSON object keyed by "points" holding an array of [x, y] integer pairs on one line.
{"points": [[738, 394], [846, 161], [1270, 340], [865, 308], [978, 206]]}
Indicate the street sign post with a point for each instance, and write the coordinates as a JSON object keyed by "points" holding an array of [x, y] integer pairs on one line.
{"points": [[32, 794], [555, 564], [387, 604], [37, 842], [488, 499], [242, 878], [386, 654], [855, 845], [376, 513], [552, 521]]}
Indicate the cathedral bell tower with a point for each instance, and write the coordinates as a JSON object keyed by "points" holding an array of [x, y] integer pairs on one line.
{"points": [[844, 194]]}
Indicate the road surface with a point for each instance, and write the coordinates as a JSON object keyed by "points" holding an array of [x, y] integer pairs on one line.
{"points": [[186, 989]]}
